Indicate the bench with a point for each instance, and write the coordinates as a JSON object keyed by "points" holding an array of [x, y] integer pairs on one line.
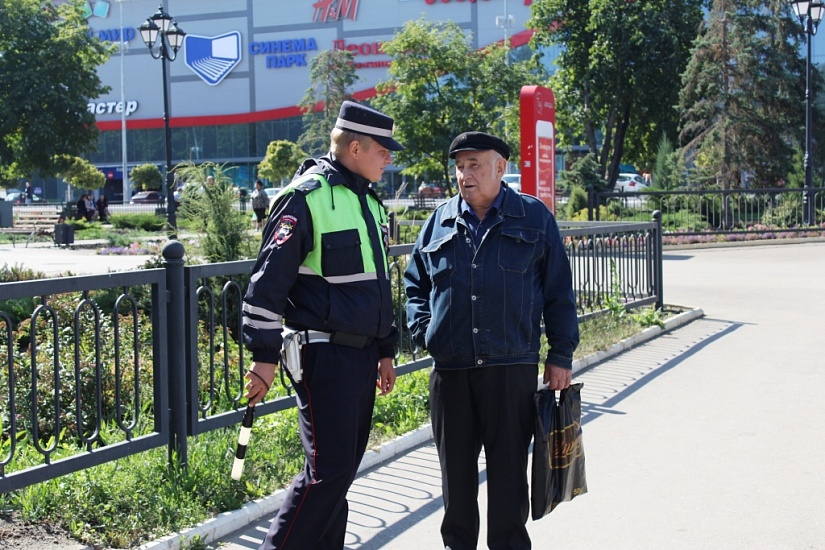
{"points": [[32, 223]]}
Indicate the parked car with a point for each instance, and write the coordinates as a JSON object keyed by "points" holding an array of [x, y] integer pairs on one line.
{"points": [[271, 192], [430, 190], [17, 197], [630, 182], [144, 197], [513, 181]]}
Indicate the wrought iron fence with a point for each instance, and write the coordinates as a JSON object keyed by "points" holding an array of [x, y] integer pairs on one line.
{"points": [[758, 212], [112, 365]]}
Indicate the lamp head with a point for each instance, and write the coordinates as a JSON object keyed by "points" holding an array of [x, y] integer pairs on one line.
{"points": [[149, 33], [815, 12], [175, 36], [162, 19], [800, 8]]}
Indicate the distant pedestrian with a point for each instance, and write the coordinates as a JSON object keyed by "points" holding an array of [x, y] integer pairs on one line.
{"points": [[103, 208], [91, 208], [28, 193], [260, 204], [82, 209]]}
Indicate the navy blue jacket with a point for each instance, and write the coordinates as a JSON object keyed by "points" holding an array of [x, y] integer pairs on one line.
{"points": [[474, 306], [278, 294]]}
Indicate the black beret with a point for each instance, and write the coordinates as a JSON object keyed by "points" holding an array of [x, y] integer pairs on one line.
{"points": [[363, 120], [479, 141]]}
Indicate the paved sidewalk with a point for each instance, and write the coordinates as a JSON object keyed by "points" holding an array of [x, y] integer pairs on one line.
{"points": [[81, 260], [708, 437]]}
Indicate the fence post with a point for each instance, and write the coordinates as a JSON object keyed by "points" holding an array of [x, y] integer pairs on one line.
{"points": [[393, 227], [176, 342], [658, 261], [591, 202]]}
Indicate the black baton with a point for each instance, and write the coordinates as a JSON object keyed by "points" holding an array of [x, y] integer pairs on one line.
{"points": [[243, 439]]}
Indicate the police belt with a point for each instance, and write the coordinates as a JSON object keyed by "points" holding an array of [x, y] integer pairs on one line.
{"points": [[339, 338]]}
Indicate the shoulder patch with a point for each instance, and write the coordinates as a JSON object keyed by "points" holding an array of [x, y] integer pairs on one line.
{"points": [[284, 229]]}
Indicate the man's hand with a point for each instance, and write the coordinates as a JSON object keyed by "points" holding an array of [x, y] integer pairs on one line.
{"points": [[386, 376], [557, 378], [260, 377]]}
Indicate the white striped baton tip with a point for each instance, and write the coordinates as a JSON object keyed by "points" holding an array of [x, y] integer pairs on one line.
{"points": [[243, 439]]}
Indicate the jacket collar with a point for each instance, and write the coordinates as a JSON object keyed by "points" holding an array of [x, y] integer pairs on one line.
{"points": [[335, 173], [512, 207]]}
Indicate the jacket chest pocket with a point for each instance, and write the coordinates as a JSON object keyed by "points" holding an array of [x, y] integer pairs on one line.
{"points": [[517, 249], [341, 253], [441, 257]]}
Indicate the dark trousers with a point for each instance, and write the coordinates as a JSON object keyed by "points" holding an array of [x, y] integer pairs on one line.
{"points": [[335, 403], [490, 407]]}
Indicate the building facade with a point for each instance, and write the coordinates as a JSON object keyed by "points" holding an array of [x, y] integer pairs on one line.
{"points": [[244, 67]]}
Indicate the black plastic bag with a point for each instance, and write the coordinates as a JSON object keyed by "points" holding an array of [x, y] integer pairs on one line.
{"points": [[558, 454]]}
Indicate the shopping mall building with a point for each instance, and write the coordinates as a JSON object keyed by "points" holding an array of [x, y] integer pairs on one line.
{"points": [[244, 67]]}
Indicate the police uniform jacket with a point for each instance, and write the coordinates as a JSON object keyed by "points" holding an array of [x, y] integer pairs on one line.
{"points": [[332, 281]]}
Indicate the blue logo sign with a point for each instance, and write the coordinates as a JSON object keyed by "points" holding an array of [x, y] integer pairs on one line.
{"points": [[212, 58]]}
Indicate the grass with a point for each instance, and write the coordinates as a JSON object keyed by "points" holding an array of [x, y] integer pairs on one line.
{"points": [[128, 502]]}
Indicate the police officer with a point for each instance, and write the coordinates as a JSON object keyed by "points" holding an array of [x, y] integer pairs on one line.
{"points": [[321, 281]]}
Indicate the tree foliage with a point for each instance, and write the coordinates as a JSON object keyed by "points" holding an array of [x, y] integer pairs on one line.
{"points": [[439, 86], [331, 75], [48, 63], [743, 94], [583, 173], [618, 72], [81, 173], [211, 208], [146, 177], [666, 173], [281, 160]]}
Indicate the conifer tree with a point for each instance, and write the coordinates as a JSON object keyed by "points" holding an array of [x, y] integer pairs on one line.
{"points": [[743, 94]]}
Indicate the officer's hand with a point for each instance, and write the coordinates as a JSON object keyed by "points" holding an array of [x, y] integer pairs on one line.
{"points": [[386, 376], [557, 378], [260, 376]]}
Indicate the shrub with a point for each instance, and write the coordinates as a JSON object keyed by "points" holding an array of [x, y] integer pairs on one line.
{"points": [[144, 222], [577, 201]]}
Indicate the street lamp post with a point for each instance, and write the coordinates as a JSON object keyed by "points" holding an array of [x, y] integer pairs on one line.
{"points": [[161, 29], [810, 14]]}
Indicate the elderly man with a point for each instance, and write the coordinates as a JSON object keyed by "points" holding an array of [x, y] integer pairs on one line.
{"points": [[487, 267], [321, 286]]}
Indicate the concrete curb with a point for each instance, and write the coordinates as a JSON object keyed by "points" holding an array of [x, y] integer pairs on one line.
{"points": [[628, 343], [229, 522]]}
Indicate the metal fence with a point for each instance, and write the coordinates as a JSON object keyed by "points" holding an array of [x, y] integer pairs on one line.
{"points": [[112, 365], [762, 213]]}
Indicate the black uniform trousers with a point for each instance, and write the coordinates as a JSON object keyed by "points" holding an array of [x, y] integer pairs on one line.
{"points": [[335, 404], [490, 407]]}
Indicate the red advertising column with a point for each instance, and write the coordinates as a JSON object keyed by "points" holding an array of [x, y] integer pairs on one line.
{"points": [[537, 107]]}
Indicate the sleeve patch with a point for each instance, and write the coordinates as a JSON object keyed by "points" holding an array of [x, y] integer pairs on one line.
{"points": [[284, 229]]}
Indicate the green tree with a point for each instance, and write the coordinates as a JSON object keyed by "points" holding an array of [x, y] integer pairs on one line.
{"points": [[281, 160], [742, 93], [146, 177], [618, 72], [666, 171], [81, 173], [331, 75], [583, 173], [211, 209], [440, 86], [48, 63]]}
